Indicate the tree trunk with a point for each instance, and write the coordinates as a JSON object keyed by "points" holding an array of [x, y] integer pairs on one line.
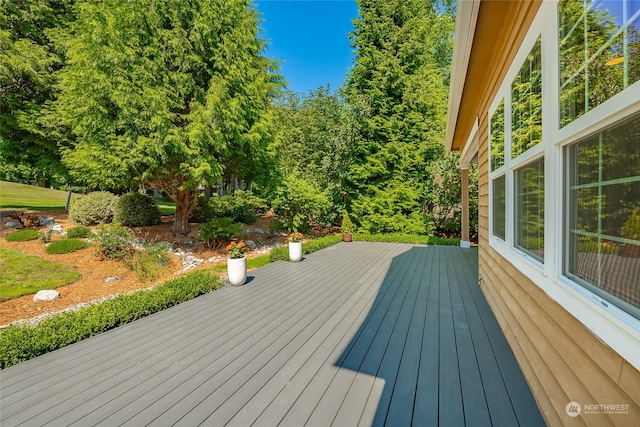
{"points": [[185, 202]]}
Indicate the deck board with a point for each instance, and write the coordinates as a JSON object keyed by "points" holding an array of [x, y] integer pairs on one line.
{"points": [[356, 334]]}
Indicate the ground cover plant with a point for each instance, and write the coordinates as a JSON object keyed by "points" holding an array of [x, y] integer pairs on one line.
{"points": [[23, 235], [281, 253], [23, 274], [145, 262], [416, 239], [19, 343], [79, 232], [66, 246]]}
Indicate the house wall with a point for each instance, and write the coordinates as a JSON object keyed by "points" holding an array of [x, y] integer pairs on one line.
{"points": [[562, 360]]}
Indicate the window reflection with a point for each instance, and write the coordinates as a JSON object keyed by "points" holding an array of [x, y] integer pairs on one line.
{"points": [[526, 104], [497, 137], [499, 207], [529, 215], [599, 52]]}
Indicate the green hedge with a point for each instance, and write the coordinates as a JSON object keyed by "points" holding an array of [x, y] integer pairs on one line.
{"points": [[416, 239], [281, 253], [19, 343]]}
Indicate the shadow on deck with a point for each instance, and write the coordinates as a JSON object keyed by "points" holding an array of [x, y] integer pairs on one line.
{"points": [[356, 334]]}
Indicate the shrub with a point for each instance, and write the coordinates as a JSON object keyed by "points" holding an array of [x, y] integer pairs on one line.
{"points": [[217, 230], [29, 220], [203, 211], [145, 263], [66, 246], [23, 235], [417, 239], [347, 224], [94, 208], [19, 343], [113, 241], [79, 232], [45, 236], [299, 202], [241, 207], [136, 210], [281, 253]]}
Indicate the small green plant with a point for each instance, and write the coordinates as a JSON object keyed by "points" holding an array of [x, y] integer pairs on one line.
{"points": [[45, 236], [79, 232], [94, 208], [145, 263], [217, 230], [347, 224], [113, 241], [66, 246], [136, 210], [23, 235]]}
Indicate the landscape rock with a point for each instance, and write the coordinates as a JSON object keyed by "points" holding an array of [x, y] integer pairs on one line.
{"points": [[111, 279], [46, 221], [251, 244], [46, 295], [13, 224]]}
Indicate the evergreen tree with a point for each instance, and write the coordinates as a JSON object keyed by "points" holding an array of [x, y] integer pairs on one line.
{"points": [[29, 60], [172, 94], [403, 51]]}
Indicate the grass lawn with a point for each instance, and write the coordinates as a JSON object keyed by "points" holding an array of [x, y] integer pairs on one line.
{"points": [[25, 274], [29, 197]]}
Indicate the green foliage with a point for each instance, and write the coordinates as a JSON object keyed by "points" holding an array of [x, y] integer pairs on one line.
{"points": [[24, 274], [299, 202], [416, 239], [281, 253], [217, 230], [66, 246], [113, 241], [136, 210], [45, 236], [30, 60], [166, 93], [19, 343], [145, 263], [94, 208], [347, 224], [400, 84], [202, 212], [22, 235], [242, 206], [79, 232], [631, 228]]}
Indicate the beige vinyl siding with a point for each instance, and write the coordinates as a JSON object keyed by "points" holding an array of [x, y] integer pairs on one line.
{"points": [[560, 358]]}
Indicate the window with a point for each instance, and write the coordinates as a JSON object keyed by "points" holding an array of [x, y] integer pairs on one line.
{"points": [[526, 104], [497, 137], [529, 212], [599, 52], [603, 211], [499, 207]]}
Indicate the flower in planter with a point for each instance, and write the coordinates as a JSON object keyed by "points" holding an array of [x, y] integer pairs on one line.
{"points": [[296, 236], [236, 249]]}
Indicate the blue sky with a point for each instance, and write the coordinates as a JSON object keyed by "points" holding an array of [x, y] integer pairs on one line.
{"points": [[310, 38]]}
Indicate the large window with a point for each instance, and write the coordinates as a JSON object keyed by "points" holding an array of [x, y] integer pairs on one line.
{"points": [[526, 104], [599, 52], [603, 211], [499, 189]]}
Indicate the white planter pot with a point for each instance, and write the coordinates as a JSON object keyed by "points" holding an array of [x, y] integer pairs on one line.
{"points": [[237, 270], [295, 251]]}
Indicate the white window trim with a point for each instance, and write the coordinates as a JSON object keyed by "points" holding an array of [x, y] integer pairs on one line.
{"points": [[615, 327]]}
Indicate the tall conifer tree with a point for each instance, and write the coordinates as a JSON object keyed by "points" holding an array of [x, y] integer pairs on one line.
{"points": [[403, 52]]}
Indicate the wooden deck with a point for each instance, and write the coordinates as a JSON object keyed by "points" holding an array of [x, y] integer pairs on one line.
{"points": [[356, 334]]}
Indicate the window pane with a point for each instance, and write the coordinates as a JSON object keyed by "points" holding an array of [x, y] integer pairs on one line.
{"points": [[603, 249], [529, 216], [499, 207], [497, 137], [599, 53], [526, 104]]}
